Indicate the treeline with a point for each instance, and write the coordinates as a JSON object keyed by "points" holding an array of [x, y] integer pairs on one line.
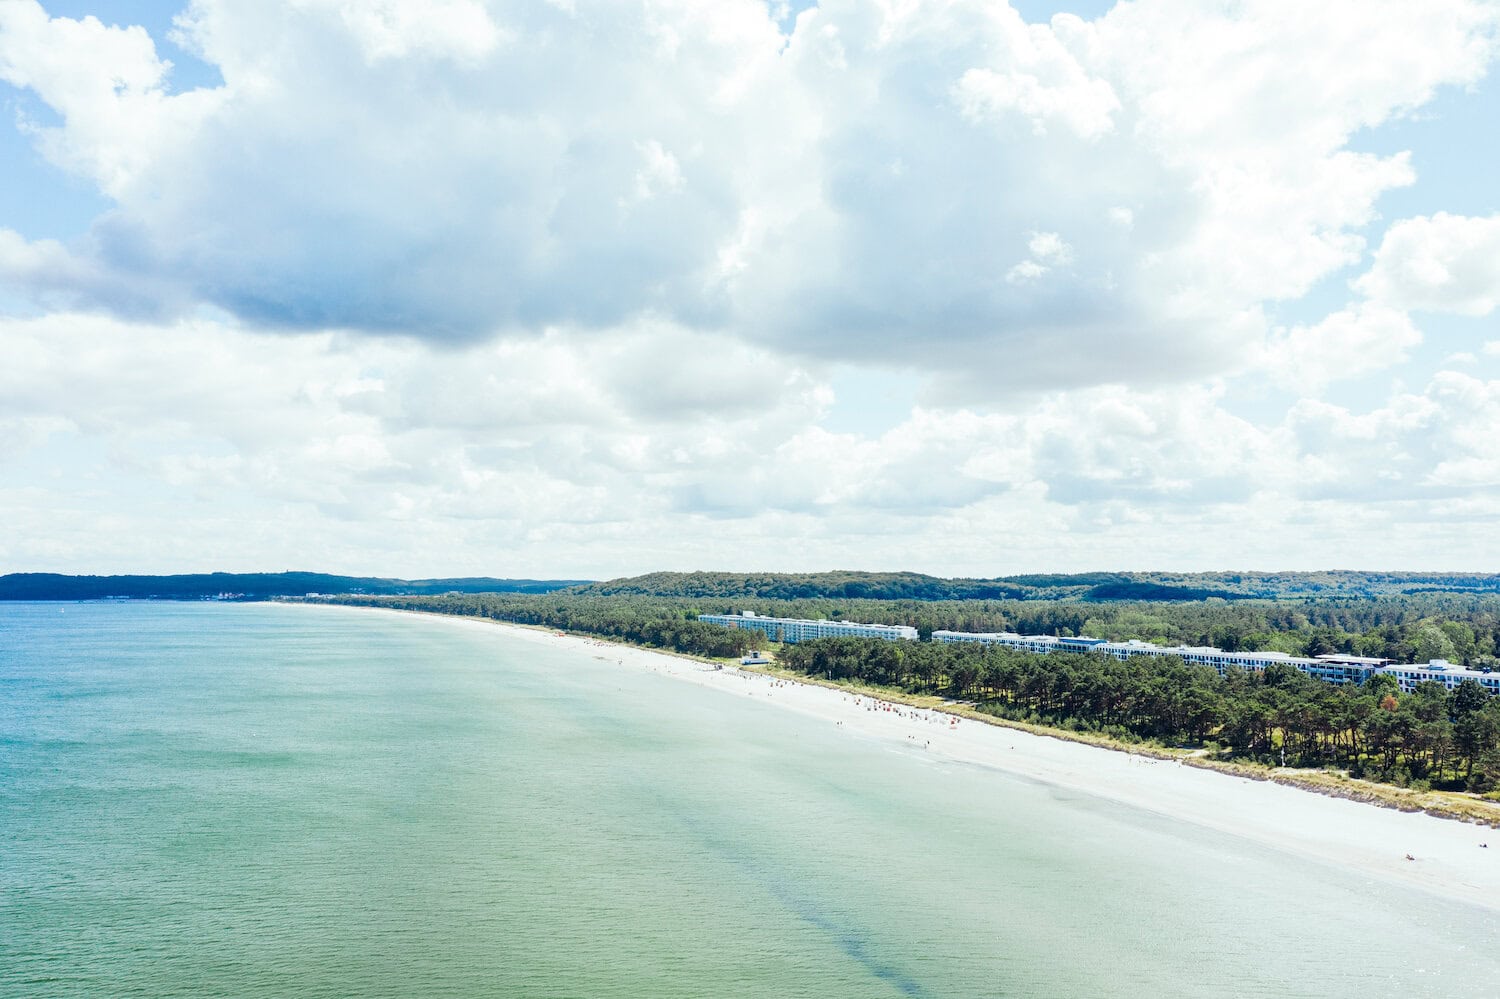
{"points": [[1078, 588], [642, 622], [1093, 586], [1428, 737], [808, 586], [897, 586], [1418, 628]]}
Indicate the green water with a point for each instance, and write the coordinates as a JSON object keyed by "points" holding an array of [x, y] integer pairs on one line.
{"points": [[252, 800]]}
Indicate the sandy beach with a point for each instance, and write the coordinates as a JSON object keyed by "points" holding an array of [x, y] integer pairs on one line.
{"points": [[1454, 859]]}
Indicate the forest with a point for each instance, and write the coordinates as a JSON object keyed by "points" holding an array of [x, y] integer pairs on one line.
{"points": [[1089, 586], [1428, 738]]}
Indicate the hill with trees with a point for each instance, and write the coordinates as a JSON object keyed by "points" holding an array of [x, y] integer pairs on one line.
{"points": [[815, 587], [850, 585], [1090, 586]]}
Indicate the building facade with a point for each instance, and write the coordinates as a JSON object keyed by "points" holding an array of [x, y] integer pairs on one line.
{"points": [[1328, 668], [792, 630]]}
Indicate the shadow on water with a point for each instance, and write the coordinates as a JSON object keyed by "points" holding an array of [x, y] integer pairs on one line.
{"points": [[849, 938]]}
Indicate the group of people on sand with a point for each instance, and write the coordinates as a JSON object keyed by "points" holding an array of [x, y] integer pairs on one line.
{"points": [[914, 714]]}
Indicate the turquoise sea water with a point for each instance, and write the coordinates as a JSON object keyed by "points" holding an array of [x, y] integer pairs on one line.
{"points": [[253, 800]]}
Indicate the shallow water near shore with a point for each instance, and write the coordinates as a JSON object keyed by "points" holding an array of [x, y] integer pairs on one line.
{"points": [[257, 800]]}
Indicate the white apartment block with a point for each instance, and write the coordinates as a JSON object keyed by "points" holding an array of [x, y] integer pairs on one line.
{"points": [[791, 630], [1329, 668]]}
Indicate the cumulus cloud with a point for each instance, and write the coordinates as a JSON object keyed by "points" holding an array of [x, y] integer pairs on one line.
{"points": [[611, 251], [1048, 250], [109, 87], [930, 463], [553, 427], [1441, 263], [340, 178], [588, 453], [1220, 184], [1433, 445], [1160, 447], [865, 179], [1346, 344], [395, 29], [1042, 81]]}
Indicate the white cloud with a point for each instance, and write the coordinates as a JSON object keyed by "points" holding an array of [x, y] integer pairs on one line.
{"points": [[1441, 263], [659, 172], [557, 427], [108, 85], [1346, 344], [1254, 104], [1039, 79], [616, 246], [644, 447], [324, 185], [1121, 446], [1026, 270], [1050, 248], [395, 29], [863, 183], [1435, 445]]}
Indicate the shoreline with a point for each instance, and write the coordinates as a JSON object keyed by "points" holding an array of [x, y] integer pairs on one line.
{"points": [[1439, 804], [1433, 853]]}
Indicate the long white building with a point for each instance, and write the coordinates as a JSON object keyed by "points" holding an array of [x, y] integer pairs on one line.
{"points": [[1330, 668], [791, 629]]}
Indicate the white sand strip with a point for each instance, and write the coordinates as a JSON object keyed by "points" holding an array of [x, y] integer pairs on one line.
{"points": [[1447, 857]]}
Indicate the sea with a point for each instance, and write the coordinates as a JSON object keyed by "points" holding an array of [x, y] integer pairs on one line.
{"points": [[217, 799]]}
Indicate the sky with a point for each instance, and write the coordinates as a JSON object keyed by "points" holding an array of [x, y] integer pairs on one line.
{"points": [[589, 288]]}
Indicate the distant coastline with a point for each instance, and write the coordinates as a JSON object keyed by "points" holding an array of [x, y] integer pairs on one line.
{"points": [[1084, 587], [251, 586]]}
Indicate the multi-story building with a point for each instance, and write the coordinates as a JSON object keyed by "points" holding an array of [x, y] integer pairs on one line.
{"points": [[790, 630], [1330, 668]]}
